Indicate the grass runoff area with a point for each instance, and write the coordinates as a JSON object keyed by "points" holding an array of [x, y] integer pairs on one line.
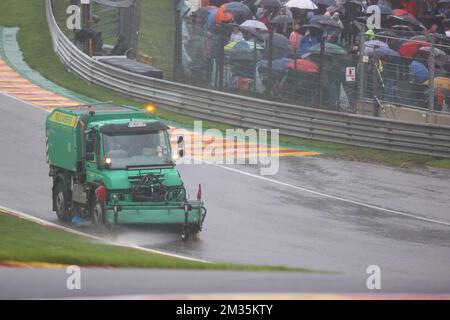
{"points": [[25, 241], [35, 42]]}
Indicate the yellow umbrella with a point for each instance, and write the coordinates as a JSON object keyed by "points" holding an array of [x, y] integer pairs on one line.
{"points": [[440, 82]]}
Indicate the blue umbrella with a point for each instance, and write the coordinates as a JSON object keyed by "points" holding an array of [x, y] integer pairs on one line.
{"points": [[211, 23], [277, 64], [419, 71], [386, 51]]}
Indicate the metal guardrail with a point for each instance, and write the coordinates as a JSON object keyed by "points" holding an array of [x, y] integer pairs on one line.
{"points": [[247, 112]]}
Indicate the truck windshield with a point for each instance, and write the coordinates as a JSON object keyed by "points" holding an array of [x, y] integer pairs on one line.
{"points": [[137, 149]]}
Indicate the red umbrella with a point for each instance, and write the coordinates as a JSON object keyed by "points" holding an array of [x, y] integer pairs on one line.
{"points": [[303, 65], [399, 12], [222, 15], [410, 48]]}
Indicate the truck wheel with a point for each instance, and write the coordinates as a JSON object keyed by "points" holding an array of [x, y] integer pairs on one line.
{"points": [[61, 199], [99, 217], [195, 232]]}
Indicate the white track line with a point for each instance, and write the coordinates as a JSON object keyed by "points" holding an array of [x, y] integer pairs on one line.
{"points": [[46, 223], [329, 196]]}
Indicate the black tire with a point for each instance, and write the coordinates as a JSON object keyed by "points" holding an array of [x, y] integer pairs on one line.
{"points": [[99, 217], [195, 232], [61, 202]]}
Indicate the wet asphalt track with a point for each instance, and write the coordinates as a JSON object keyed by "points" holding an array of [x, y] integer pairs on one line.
{"points": [[261, 222]]}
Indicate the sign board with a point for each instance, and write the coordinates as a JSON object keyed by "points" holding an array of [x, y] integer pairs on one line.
{"points": [[85, 1], [350, 74]]}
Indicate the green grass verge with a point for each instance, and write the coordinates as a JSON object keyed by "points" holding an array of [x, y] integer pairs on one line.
{"points": [[35, 42], [156, 35], [25, 241]]}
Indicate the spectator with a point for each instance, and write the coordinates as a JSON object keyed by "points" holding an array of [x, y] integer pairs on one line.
{"points": [[236, 35], [409, 6], [433, 29], [306, 42], [295, 37], [418, 72]]}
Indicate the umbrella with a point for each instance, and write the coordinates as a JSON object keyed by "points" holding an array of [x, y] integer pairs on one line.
{"points": [[211, 22], [410, 48], [330, 48], [270, 4], [440, 82], [420, 38], [222, 15], [386, 33], [375, 43], [303, 65], [328, 3], [315, 29], [301, 4], [241, 55], [439, 55], [238, 9], [386, 52], [405, 16], [243, 45], [277, 64], [370, 46], [323, 20], [254, 25], [279, 40], [384, 9], [280, 19], [419, 71], [400, 12]]}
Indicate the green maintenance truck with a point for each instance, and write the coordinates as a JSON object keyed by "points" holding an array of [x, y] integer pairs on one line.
{"points": [[114, 165]]}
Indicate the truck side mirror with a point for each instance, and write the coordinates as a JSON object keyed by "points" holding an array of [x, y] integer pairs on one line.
{"points": [[90, 145], [180, 142]]}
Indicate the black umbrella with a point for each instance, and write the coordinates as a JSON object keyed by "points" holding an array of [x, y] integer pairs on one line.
{"points": [[325, 21], [279, 40], [270, 3], [315, 29], [328, 3], [281, 19], [409, 19]]}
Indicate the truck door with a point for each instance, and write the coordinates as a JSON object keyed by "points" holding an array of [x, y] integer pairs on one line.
{"points": [[92, 150]]}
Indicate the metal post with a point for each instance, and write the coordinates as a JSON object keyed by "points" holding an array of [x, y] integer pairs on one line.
{"points": [[86, 21], [270, 57], [177, 60], [431, 64], [362, 67], [321, 70], [254, 64], [221, 54], [376, 106]]}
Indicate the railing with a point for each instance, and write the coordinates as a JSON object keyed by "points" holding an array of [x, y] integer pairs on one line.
{"points": [[247, 112]]}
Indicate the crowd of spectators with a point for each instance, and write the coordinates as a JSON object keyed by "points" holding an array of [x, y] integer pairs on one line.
{"points": [[408, 28]]}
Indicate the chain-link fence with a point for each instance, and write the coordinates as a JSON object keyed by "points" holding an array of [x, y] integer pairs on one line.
{"points": [[332, 67], [234, 59], [401, 65]]}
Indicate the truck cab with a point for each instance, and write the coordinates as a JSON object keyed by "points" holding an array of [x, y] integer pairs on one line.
{"points": [[114, 165]]}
